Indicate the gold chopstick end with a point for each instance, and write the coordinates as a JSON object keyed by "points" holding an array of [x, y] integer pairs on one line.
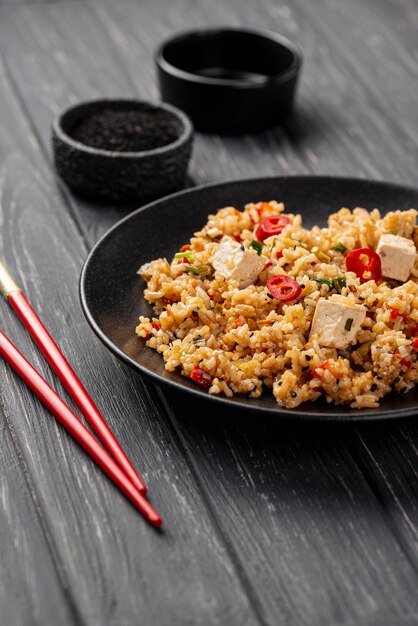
{"points": [[7, 283]]}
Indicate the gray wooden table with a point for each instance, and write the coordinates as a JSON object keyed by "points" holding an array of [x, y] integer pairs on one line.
{"points": [[264, 523]]}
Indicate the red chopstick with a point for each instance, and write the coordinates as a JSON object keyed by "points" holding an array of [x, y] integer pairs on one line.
{"points": [[80, 433], [66, 374]]}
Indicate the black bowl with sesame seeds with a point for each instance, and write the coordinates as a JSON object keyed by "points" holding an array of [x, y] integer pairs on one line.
{"points": [[122, 151]]}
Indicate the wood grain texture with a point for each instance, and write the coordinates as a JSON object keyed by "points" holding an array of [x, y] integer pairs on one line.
{"points": [[117, 568], [24, 547], [317, 527]]}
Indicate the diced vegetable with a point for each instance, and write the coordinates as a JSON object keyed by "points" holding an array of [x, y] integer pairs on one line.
{"points": [[365, 263], [283, 288], [201, 377], [185, 255], [406, 363], [258, 247], [415, 344], [318, 371], [200, 270], [348, 323], [321, 256], [340, 247], [272, 225]]}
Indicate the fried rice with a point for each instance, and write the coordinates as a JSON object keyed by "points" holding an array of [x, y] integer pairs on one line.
{"points": [[234, 340]]}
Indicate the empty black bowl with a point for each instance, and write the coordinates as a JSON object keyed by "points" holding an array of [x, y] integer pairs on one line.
{"points": [[229, 80], [108, 176]]}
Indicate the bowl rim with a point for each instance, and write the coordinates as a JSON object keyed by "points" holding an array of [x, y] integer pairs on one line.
{"points": [[185, 135], [278, 78]]}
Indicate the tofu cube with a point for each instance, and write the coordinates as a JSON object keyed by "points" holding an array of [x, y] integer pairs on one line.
{"points": [[336, 324], [397, 255], [234, 263]]}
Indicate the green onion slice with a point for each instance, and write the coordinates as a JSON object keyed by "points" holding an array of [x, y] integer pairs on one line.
{"points": [[199, 270], [258, 247], [184, 255]]}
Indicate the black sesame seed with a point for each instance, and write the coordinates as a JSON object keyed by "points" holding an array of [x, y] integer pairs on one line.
{"points": [[269, 295], [307, 357], [373, 387], [361, 298], [397, 379], [304, 369], [195, 313], [125, 130], [379, 377], [302, 285], [293, 394], [279, 384], [242, 248]]}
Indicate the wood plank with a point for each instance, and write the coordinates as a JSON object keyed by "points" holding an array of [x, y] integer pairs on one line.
{"points": [[119, 570], [306, 531], [28, 594]]}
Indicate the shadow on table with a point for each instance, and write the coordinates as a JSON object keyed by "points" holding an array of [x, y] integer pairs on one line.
{"points": [[324, 458]]}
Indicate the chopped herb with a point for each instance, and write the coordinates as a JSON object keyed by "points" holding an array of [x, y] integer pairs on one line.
{"points": [[199, 270], [198, 339], [322, 281], [340, 281], [340, 247], [184, 255], [349, 323], [321, 256], [258, 247], [274, 243]]}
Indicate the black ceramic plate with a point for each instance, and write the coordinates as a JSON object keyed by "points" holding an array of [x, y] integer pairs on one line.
{"points": [[112, 292]]}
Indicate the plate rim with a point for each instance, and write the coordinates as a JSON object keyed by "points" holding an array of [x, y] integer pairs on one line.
{"points": [[363, 415]]}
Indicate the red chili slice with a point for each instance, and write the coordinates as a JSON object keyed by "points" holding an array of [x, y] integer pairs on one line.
{"points": [[201, 377], [283, 288], [272, 225], [365, 263]]}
